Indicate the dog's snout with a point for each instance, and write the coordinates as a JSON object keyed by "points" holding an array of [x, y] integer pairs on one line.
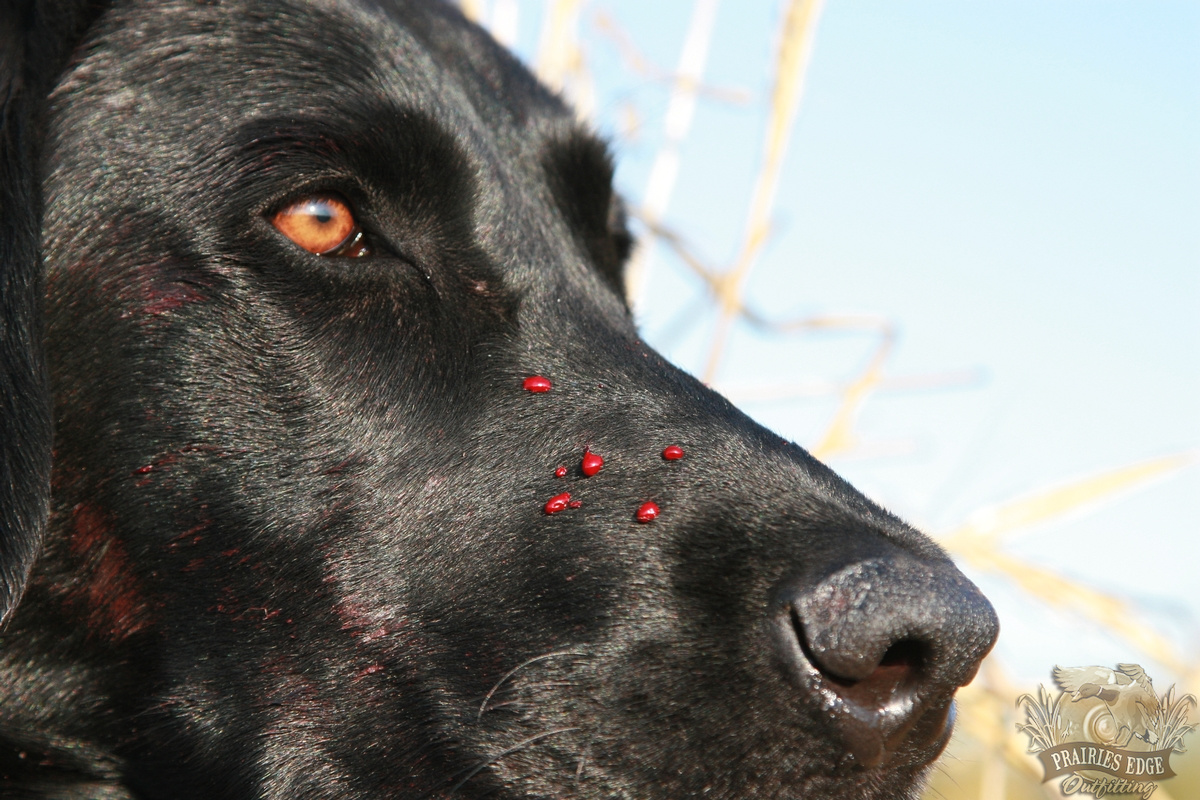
{"points": [[885, 641], [892, 613]]}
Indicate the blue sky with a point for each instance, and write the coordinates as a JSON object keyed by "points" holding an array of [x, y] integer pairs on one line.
{"points": [[1016, 187]]}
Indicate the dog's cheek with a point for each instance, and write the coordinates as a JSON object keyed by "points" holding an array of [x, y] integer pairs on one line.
{"points": [[103, 593]]}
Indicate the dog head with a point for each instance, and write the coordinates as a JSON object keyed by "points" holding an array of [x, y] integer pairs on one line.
{"points": [[364, 484]]}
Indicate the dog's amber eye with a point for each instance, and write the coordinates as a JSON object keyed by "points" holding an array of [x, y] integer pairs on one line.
{"points": [[321, 225]]}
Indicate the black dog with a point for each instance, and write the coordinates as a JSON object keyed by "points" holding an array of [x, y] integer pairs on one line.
{"points": [[311, 532]]}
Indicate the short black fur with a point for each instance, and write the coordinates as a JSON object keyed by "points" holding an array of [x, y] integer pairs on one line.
{"points": [[293, 538]]}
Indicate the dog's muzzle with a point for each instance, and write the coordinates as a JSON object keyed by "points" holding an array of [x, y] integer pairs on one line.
{"points": [[883, 642]]}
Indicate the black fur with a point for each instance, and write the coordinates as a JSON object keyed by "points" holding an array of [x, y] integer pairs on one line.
{"points": [[296, 544]]}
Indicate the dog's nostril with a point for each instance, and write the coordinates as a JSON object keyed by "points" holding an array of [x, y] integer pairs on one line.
{"points": [[905, 660], [886, 641], [898, 672], [906, 654], [865, 684]]}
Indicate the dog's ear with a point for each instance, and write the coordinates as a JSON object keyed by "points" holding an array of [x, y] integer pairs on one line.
{"points": [[36, 39]]}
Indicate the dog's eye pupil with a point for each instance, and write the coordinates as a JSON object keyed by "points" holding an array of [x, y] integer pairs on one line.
{"points": [[321, 225]]}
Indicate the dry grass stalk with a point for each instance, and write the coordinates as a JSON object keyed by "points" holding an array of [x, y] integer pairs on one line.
{"points": [[1021, 514], [797, 390], [978, 543], [640, 64], [795, 49], [504, 21], [473, 10], [560, 62], [1057, 591], [840, 438], [986, 721], [681, 109], [500, 17]]}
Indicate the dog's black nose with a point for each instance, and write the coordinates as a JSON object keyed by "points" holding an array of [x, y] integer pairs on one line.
{"points": [[885, 641]]}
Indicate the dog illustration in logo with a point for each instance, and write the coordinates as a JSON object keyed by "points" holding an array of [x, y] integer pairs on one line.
{"points": [[1109, 707]]}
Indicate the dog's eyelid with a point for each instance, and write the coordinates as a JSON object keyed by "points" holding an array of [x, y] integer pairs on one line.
{"points": [[355, 246]]}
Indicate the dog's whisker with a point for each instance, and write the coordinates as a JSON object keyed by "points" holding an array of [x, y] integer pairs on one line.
{"points": [[583, 753], [521, 687], [486, 698], [521, 745], [508, 703]]}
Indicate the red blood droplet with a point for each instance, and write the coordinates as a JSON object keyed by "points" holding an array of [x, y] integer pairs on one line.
{"points": [[673, 453], [574, 504], [558, 503], [647, 512], [561, 472], [591, 463], [536, 383]]}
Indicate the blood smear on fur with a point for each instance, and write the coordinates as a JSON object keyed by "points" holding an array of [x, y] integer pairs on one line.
{"points": [[558, 503], [673, 453], [536, 383], [561, 472], [647, 512], [591, 463]]}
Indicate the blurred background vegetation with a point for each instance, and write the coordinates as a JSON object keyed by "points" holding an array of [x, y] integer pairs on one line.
{"points": [[952, 248]]}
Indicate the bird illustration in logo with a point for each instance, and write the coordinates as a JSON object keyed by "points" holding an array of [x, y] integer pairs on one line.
{"points": [[1110, 707]]}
